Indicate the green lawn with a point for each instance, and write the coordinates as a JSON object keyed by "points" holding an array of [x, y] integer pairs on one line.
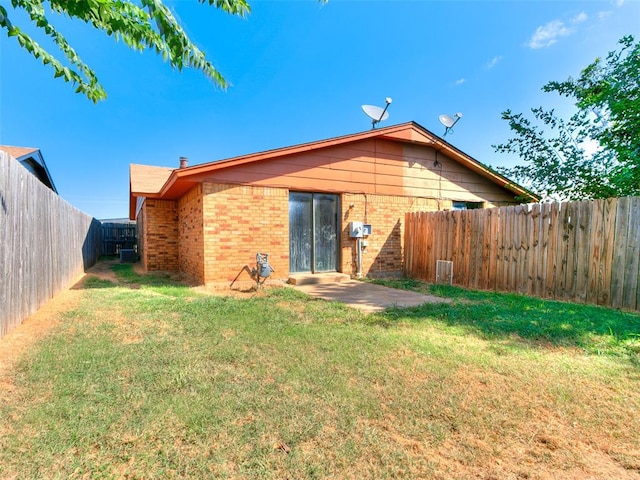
{"points": [[151, 379]]}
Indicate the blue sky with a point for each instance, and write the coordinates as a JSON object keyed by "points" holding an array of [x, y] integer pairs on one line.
{"points": [[299, 72]]}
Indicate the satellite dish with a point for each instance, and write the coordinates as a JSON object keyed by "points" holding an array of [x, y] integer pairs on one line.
{"points": [[377, 114], [448, 121]]}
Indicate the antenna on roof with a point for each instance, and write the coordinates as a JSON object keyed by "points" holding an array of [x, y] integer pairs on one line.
{"points": [[448, 121], [377, 114]]}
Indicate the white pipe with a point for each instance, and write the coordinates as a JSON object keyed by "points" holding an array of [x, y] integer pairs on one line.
{"points": [[359, 247]]}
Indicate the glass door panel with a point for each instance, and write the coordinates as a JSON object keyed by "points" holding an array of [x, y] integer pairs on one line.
{"points": [[325, 232], [300, 232], [313, 232]]}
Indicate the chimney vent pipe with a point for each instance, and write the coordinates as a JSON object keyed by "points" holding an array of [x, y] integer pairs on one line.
{"points": [[184, 162]]}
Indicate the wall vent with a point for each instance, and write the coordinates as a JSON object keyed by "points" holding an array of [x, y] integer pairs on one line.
{"points": [[444, 272]]}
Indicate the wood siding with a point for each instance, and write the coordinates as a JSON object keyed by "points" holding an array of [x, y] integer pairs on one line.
{"points": [[586, 252], [46, 243], [373, 166]]}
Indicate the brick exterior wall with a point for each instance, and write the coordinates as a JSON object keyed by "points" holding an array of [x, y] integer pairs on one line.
{"points": [[212, 234], [159, 245], [191, 234], [384, 254], [240, 221]]}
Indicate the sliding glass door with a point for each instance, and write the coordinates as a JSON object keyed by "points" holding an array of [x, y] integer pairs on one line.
{"points": [[313, 232]]}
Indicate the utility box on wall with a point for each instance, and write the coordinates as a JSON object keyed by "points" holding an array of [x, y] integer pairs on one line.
{"points": [[355, 229], [359, 229]]}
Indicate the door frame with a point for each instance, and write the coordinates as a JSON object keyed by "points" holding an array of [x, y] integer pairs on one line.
{"points": [[338, 232]]}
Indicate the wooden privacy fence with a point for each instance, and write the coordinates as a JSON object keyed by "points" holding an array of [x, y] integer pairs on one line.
{"points": [[118, 236], [45, 243], [586, 251]]}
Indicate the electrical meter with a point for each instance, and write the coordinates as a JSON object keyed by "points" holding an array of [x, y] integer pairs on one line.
{"points": [[356, 229]]}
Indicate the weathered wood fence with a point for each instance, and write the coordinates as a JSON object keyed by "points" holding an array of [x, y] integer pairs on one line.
{"points": [[587, 252], [118, 236], [45, 243]]}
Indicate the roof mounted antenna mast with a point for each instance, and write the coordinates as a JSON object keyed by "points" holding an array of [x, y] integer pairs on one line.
{"points": [[448, 121], [377, 114]]}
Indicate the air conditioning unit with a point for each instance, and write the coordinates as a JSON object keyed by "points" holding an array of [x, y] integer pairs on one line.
{"points": [[127, 255]]}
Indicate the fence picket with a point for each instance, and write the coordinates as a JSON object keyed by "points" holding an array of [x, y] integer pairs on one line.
{"points": [[534, 219], [494, 248], [472, 235], [561, 250], [604, 279], [570, 262], [523, 244], [582, 240], [502, 258], [619, 251], [630, 294], [595, 251]]}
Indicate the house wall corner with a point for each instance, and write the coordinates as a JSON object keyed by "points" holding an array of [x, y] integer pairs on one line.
{"points": [[158, 233], [191, 234]]}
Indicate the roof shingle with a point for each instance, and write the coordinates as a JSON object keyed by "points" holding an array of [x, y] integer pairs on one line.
{"points": [[147, 179], [17, 152]]}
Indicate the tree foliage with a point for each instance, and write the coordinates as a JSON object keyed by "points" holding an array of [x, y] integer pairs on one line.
{"points": [[557, 163], [142, 25]]}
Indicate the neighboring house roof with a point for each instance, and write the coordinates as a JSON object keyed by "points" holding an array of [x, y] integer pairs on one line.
{"points": [[32, 159], [167, 183], [146, 179], [17, 152]]}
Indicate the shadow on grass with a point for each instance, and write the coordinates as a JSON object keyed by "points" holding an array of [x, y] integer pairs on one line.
{"points": [[523, 319]]}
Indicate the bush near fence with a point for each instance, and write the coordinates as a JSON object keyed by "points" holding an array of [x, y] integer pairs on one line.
{"points": [[587, 252], [45, 243]]}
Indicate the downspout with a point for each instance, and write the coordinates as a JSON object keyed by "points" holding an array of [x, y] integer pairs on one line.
{"points": [[359, 247]]}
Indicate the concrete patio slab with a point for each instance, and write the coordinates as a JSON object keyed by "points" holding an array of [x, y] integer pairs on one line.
{"points": [[367, 296]]}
